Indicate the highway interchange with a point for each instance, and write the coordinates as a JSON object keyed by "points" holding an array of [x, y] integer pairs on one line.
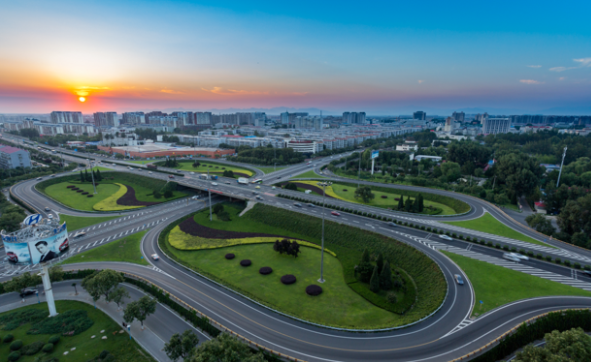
{"points": [[446, 335]]}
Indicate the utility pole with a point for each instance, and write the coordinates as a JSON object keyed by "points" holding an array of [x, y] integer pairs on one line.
{"points": [[562, 163], [494, 179], [210, 213], [324, 184], [359, 170]]}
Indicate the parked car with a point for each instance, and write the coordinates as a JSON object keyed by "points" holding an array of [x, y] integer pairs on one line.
{"points": [[335, 213], [459, 279], [192, 173], [27, 291], [155, 257], [445, 237], [149, 171], [508, 256], [297, 204]]}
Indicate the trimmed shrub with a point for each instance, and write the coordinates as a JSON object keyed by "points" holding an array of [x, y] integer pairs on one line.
{"points": [[313, 290], [498, 246], [539, 256], [505, 247], [245, 262], [16, 345], [567, 262], [558, 261], [54, 339], [587, 267], [577, 266], [89, 195], [514, 249], [530, 253], [548, 258], [230, 256], [14, 356], [32, 348], [489, 243], [265, 270], [80, 191], [8, 338], [288, 279], [47, 348], [384, 197], [521, 251], [85, 193]]}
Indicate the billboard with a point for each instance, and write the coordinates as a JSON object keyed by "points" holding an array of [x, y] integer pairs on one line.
{"points": [[375, 154], [32, 219], [40, 249]]}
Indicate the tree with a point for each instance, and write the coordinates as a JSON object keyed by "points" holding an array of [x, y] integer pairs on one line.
{"points": [[364, 192], [380, 262], [99, 176], [81, 177], [118, 295], [374, 282], [451, 171], [291, 186], [139, 309], [225, 348], [401, 203], [571, 345], [540, 223], [217, 208], [416, 205], [16, 284], [364, 269], [408, 205], [102, 283], [181, 345], [168, 194], [386, 277], [421, 204]]}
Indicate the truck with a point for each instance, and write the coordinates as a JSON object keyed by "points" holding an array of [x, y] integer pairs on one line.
{"points": [[203, 176], [214, 177], [152, 167], [242, 181]]}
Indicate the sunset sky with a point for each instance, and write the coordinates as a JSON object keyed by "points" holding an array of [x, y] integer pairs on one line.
{"points": [[382, 57]]}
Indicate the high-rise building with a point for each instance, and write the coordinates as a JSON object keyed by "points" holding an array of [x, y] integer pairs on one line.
{"points": [[106, 119], [284, 118], [458, 116], [202, 117], [354, 117], [66, 117], [156, 115], [481, 117], [496, 125], [245, 118], [420, 115]]}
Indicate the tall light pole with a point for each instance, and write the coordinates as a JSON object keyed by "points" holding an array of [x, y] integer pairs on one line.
{"points": [[359, 170], [210, 213], [92, 175], [324, 184], [562, 163]]}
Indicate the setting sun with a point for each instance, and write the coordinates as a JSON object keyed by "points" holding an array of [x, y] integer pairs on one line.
{"points": [[82, 99]]}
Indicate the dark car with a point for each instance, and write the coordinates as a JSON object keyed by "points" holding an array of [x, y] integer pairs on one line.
{"points": [[587, 273], [170, 176], [27, 291]]}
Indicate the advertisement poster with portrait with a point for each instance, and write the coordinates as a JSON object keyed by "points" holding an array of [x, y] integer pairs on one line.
{"points": [[46, 249], [17, 252]]}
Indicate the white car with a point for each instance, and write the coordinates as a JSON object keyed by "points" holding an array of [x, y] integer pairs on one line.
{"points": [[192, 173], [510, 256], [519, 256], [214, 183], [50, 216], [79, 234], [445, 237], [155, 257]]}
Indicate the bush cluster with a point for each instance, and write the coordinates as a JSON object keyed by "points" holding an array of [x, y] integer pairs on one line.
{"points": [[14, 356], [288, 279], [265, 270], [48, 348], [54, 339], [245, 262], [230, 256], [32, 348], [313, 290], [16, 345]]}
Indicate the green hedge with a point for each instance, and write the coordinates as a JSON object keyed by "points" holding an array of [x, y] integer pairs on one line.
{"points": [[400, 307], [527, 333]]}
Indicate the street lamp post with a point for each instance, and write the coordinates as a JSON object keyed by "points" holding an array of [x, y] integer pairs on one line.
{"points": [[210, 213], [359, 170], [92, 175], [562, 163], [324, 184]]}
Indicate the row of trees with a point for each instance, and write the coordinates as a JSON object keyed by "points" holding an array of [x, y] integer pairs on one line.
{"points": [[379, 276], [86, 177], [267, 156], [416, 206], [10, 215], [171, 162]]}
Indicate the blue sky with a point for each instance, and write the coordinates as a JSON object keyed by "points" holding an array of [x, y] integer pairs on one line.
{"points": [[381, 57]]}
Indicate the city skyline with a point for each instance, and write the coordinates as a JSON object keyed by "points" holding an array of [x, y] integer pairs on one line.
{"points": [[382, 59]]}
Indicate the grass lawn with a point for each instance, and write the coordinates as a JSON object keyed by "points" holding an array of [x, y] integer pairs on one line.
{"points": [[124, 249], [78, 201], [269, 169], [338, 305], [118, 345], [496, 286], [309, 174], [100, 168], [214, 168], [78, 222], [489, 224]]}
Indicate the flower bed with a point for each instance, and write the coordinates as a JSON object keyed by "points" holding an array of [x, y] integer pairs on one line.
{"points": [[129, 199], [313, 290], [266, 270], [313, 188], [89, 195], [190, 227], [245, 262], [230, 256], [384, 197], [288, 279]]}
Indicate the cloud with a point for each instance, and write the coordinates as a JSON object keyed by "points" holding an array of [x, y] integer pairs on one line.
{"points": [[420, 81], [299, 93], [85, 90], [170, 91], [585, 62], [530, 81], [534, 66], [562, 78], [560, 69], [229, 92]]}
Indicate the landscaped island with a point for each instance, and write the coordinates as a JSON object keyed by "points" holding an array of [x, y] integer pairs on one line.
{"points": [[272, 256], [395, 199], [115, 191], [199, 166]]}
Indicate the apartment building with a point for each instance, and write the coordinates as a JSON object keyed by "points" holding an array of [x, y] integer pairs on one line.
{"points": [[12, 157], [66, 117], [106, 119], [496, 125]]}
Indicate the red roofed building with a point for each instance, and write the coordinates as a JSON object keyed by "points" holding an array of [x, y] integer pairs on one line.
{"points": [[12, 157]]}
